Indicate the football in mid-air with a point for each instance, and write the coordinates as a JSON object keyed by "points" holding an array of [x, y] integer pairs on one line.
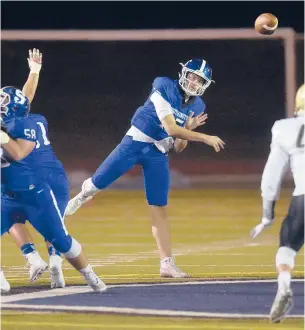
{"points": [[266, 23]]}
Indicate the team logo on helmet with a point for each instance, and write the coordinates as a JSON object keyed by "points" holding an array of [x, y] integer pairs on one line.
{"points": [[13, 103]]}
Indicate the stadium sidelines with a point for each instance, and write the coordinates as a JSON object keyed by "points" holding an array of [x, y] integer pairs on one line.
{"points": [[183, 299]]}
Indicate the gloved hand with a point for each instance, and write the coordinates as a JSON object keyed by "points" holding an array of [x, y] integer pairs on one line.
{"points": [[35, 60], [260, 227]]}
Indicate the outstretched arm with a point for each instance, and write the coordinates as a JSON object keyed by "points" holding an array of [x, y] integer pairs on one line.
{"points": [[165, 114], [274, 172], [35, 63], [191, 124], [174, 130]]}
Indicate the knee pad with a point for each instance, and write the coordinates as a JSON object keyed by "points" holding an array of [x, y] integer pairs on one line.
{"points": [[62, 244], [74, 250], [285, 256]]}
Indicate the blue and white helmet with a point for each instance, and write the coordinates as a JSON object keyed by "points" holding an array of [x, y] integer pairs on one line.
{"points": [[13, 103], [202, 69]]}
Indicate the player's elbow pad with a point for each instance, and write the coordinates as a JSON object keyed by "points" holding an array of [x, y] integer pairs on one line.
{"points": [[4, 137]]}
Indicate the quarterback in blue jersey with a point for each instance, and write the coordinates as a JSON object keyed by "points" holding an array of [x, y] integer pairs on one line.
{"points": [[27, 183], [166, 120]]}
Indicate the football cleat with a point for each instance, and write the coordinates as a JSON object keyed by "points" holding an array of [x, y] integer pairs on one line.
{"points": [[5, 286], [88, 191], [169, 269], [56, 274], [94, 281], [281, 306], [36, 264]]}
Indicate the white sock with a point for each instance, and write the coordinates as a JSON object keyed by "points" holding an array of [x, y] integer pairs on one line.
{"points": [[165, 260], [284, 280], [88, 188], [86, 270]]}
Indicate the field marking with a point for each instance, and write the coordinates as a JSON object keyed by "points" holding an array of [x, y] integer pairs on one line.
{"points": [[5, 299], [140, 311], [136, 326], [152, 245], [97, 263], [156, 276], [121, 260]]}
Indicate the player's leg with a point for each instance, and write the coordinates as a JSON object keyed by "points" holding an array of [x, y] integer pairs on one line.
{"points": [[13, 214], [10, 211], [60, 187], [55, 267], [121, 160], [23, 239], [291, 241], [6, 224], [49, 222], [156, 180]]}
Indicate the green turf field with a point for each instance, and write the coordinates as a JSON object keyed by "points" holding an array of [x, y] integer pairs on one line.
{"points": [[210, 237], [11, 321]]}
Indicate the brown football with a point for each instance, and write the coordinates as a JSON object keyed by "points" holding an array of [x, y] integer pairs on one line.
{"points": [[266, 23]]}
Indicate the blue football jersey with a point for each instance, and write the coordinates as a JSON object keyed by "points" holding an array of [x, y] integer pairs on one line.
{"points": [[44, 148], [146, 118], [26, 173], [23, 174]]}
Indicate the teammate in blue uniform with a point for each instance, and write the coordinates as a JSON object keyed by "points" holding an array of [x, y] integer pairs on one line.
{"points": [[164, 121], [4, 284], [24, 179], [18, 231], [54, 174]]}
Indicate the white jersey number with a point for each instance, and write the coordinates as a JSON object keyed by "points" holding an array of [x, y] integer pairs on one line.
{"points": [[46, 141]]}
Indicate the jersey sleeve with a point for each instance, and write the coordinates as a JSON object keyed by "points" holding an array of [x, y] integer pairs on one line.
{"points": [[162, 107], [25, 129], [275, 168], [164, 87], [161, 96]]}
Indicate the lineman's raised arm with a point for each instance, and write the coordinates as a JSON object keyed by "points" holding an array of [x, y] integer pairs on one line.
{"points": [[35, 64]]}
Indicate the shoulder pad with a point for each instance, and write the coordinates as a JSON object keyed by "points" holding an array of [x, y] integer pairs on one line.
{"points": [[163, 82], [37, 116]]}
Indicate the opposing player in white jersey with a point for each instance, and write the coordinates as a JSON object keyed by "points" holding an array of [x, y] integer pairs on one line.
{"points": [[164, 121], [287, 147]]}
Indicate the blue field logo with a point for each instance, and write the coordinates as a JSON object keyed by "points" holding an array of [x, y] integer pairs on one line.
{"points": [[220, 299]]}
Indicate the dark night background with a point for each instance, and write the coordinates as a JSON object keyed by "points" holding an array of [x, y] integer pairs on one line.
{"points": [[146, 14], [89, 90]]}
